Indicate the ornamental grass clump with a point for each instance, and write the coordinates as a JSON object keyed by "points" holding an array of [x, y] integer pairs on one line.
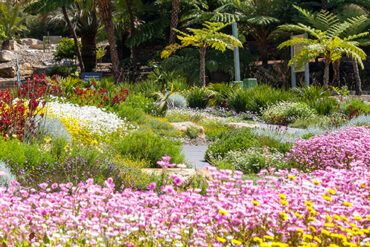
{"points": [[337, 149], [325, 208]]}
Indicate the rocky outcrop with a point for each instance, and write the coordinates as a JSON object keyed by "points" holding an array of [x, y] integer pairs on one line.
{"points": [[6, 56], [7, 70]]}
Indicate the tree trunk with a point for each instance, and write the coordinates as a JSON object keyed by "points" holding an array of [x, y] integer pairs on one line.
{"points": [[105, 9], [6, 45], [357, 77], [326, 73], [174, 19], [336, 73], [132, 29], [324, 4], [88, 40], [202, 76], [77, 48]]}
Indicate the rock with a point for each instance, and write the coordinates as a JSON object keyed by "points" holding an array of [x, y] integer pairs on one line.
{"points": [[7, 70], [6, 56], [183, 126], [30, 41], [14, 46], [26, 69], [38, 47], [241, 125]]}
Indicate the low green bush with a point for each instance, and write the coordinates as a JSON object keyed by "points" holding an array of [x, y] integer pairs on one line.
{"points": [[62, 70], [325, 106], [140, 101], [284, 113], [355, 107], [198, 98], [129, 113], [215, 129], [177, 100], [144, 144], [65, 50], [192, 132]]}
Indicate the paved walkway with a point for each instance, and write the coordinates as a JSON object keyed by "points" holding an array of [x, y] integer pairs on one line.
{"points": [[194, 156]]}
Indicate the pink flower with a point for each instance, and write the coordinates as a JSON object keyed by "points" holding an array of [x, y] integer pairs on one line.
{"points": [[43, 186], [2, 173], [152, 185], [54, 186], [177, 181]]}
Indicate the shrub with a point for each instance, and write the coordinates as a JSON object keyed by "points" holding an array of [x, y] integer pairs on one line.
{"points": [[5, 175], [61, 70], [284, 113], [65, 50], [238, 100], [140, 101], [198, 98], [192, 132], [54, 128], [355, 107], [234, 140], [130, 114], [325, 106], [177, 100], [215, 129], [146, 145]]}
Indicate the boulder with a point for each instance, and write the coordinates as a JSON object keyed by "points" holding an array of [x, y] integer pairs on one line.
{"points": [[14, 46], [241, 125], [6, 56], [30, 41], [7, 70], [26, 69], [183, 126]]}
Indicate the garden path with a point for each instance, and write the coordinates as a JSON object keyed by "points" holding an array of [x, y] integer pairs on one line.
{"points": [[194, 156]]}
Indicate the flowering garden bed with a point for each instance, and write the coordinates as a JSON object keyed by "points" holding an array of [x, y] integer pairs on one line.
{"points": [[322, 200]]}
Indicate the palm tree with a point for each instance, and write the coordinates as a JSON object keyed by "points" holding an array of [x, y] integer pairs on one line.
{"points": [[256, 19], [174, 20], [105, 10], [47, 6], [326, 44], [351, 26], [209, 36], [11, 21]]}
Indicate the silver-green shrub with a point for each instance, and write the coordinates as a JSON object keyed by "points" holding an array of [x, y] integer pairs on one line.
{"points": [[54, 128], [176, 100], [8, 177]]}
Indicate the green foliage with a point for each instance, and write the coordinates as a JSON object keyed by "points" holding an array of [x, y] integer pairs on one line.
{"points": [[287, 112], [221, 93], [62, 70], [140, 101], [53, 127], [65, 49], [192, 132], [257, 98], [355, 107], [177, 100], [214, 130], [209, 36], [325, 106], [312, 93], [2, 34], [129, 113], [11, 20], [198, 97], [234, 140], [146, 145]]}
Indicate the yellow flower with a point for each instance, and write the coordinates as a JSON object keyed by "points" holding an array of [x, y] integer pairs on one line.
{"points": [[317, 240], [256, 203], [307, 236], [308, 203], [327, 198], [222, 240], [282, 196], [298, 215], [329, 224], [237, 242], [331, 191], [313, 229], [268, 237], [222, 211], [328, 218], [316, 182], [283, 202], [291, 177], [311, 219], [363, 185], [299, 230], [348, 204], [257, 239], [358, 218]]}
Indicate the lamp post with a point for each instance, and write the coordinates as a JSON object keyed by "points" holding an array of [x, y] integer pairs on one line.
{"points": [[236, 53]]}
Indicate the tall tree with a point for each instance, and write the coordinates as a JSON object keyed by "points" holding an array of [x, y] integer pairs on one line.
{"points": [[47, 6], [326, 44], [174, 20], [105, 10], [209, 36]]}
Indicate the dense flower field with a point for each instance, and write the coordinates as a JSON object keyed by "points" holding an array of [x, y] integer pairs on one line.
{"points": [[287, 209], [337, 149]]}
